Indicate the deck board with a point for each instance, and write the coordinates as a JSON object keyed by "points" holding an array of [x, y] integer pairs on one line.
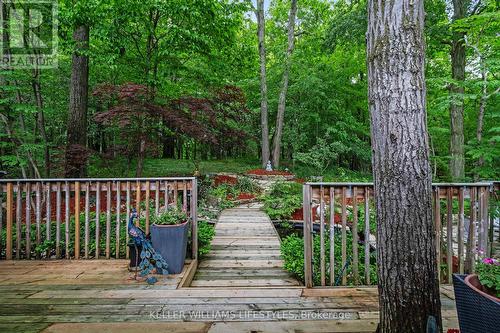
{"points": [[128, 305]]}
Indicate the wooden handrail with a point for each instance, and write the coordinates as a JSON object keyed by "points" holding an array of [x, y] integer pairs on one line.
{"points": [[457, 250]]}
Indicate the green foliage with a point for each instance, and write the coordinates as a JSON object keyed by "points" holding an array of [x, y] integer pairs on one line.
{"points": [[246, 185], [206, 233], [489, 274], [282, 200], [171, 216], [292, 251]]}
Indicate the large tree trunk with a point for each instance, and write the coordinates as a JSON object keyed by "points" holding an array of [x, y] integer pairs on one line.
{"points": [[78, 99], [406, 252], [457, 160], [280, 117], [261, 23]]}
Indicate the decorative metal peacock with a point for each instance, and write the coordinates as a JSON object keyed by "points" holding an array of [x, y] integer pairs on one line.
{"points": [[150, 260]]}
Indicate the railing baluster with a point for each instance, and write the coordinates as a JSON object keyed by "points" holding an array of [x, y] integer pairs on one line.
{"points": [[87, 218], [77, 220], [437, 222], [344, 236], [157, 198], [38, 215], [480, 223], [194, 217], [367, 235], [117, 234], [165, 194], [19, 201], [354, 231], [58, 220], [28, 218], [66, 217], [471, 242], [10, 220], [127, 218], [184, 196], [147, 206], [97, 219], [108, 220], [332, 236], [176, 194], [307, 237], [138, 201], [461, 230], [322, 236], [484, 217], [449, 234], [47, 216]]}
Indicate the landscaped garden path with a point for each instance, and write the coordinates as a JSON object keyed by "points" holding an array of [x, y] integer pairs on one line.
{"points": [[245, 252]]}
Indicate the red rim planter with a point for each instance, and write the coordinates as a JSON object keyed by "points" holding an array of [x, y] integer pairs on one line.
{"points": [[477, 310]]}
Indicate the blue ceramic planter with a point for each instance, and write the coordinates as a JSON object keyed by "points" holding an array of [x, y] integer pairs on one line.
{"points": [[171, 242]]}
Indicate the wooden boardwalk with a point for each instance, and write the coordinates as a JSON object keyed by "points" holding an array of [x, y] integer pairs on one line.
{"points": [[70, 296], [245, 253]]}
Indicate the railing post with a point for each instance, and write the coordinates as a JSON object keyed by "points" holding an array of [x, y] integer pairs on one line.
{"points": [[194, 217], [77, 220], [437, 223], [10, 219], [307, 236]]}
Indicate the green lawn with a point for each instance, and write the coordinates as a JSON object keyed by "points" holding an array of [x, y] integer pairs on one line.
{"points": [[171, 167]]}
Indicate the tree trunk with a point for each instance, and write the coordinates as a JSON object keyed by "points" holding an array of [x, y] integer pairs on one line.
{"points": [[261, 23], [78, 100], [280, 117], [406, 252], [457, 160], [480, 118], [40, 119]]}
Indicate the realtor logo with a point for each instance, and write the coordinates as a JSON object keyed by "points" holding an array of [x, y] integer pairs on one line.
{"points": [[28, 34]]}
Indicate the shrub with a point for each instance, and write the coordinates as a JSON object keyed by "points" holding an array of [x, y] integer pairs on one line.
{"points": [[283, 199], [206, 233], [170, 217], [292, 252]]}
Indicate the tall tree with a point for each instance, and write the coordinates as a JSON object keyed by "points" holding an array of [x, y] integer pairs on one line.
{"points": [[457, 158], [407, 270], [261, 32], [78, 100], [280, 117]]}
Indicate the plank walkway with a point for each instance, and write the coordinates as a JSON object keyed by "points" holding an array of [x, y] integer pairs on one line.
{"points": [[245, 252], [70, 296]]}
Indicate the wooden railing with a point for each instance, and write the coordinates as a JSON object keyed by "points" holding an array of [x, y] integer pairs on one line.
{"points": [[463, 223], [85, 218]]}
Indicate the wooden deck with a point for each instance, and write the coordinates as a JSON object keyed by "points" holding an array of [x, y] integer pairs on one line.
{"points": [[100, 296], [245, 253]]}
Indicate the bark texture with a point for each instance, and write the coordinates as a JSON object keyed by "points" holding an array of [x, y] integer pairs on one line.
{"points": [[78, 100], [457, 157], [280, 117], [261, 32], [406, 253]]}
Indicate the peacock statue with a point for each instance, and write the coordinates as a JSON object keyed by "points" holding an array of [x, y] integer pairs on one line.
{"points": [[150, 260]]}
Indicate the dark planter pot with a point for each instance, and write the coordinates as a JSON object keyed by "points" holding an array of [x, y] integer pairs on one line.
{"points": [[135, 256], [477, 310], [171, 242]]}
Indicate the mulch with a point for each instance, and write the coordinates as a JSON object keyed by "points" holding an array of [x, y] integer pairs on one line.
{"points": [[262, 172]]}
